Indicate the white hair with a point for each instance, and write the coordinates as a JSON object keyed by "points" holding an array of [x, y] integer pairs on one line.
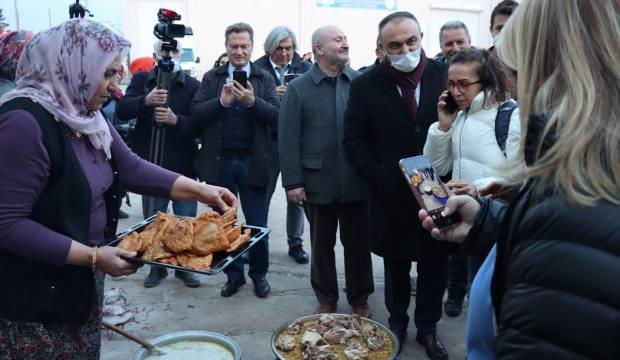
{"points": [[157, 47]]}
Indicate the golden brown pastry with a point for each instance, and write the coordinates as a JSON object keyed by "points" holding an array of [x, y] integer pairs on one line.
{"points": [[131, 242]]}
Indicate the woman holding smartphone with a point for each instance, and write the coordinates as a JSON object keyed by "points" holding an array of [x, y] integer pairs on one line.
{"points": [[552, 282], [476, 136], [464, 140]]}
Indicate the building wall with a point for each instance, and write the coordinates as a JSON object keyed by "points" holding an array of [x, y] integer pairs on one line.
{"points": [[209, 19]]}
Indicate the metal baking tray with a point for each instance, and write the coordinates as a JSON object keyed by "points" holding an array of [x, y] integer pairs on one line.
{"points": [[221, 259]]}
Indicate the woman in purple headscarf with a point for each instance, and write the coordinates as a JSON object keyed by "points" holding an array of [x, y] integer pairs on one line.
{"points": [[62, 164], [11, 46]]}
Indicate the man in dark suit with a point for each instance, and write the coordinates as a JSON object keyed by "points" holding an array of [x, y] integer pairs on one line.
{"points": [[236, 125], [390, 109], [282, 62]]}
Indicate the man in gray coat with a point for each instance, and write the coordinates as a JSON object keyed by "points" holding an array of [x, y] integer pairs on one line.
{"points": [[315, 172]]}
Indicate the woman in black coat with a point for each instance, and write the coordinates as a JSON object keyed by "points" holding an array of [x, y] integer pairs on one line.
{"points": [[554, 288]]}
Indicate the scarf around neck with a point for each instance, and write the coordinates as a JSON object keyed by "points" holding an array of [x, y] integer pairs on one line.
{"points": [[408, 82]]}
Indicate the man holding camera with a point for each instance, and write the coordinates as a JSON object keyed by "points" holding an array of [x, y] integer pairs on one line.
{"points": [[236, 123], [168, 108], [284, 64]]}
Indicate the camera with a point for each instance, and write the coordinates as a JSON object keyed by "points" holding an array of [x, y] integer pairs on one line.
{"points": [[166, 31]]}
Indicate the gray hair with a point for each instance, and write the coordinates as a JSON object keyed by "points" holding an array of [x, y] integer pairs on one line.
{"points": [[276, 36], [453, 25]]}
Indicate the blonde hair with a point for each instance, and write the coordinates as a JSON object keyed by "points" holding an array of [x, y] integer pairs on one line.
{"points": [[568, 63]]}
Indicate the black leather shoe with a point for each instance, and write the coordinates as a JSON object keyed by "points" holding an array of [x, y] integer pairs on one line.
{"points": [[156, 275], [298, 253], [433, 346], [230, 288], [453, 307], [189, 279], [261, 287]]}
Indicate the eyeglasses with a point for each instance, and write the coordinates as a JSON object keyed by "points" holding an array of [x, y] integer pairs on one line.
{"points": [[461, 85]]}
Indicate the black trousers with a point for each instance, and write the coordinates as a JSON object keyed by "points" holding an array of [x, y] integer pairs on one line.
{"points": [[458, 279], [324, 221], [432, 269]]}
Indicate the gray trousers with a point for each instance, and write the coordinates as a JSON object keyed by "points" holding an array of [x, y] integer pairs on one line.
{"points": [[294, 214], [352, 218]]}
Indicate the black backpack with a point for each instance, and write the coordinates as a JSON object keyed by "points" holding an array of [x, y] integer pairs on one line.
{"points": [[502, 123]]}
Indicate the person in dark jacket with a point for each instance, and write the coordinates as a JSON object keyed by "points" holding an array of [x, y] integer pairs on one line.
{"points": [[144, 101], [390, 109], [558, 242], [236, 125], [281, 60], [316, 173]]}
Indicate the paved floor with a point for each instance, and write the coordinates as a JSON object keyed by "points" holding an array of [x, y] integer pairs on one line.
{"points": [[245, 318]]}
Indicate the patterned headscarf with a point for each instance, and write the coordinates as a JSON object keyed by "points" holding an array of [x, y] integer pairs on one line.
{"points": [[61, 69], [11, 45]]}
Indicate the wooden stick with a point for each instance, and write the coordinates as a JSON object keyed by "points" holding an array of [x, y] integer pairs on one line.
{"points": [[116, 329]]}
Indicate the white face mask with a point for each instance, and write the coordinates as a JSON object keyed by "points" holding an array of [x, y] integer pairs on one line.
{"points": [[407, 62], [496, 39]]}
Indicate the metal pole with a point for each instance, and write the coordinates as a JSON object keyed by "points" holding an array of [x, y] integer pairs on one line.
{"points": [[16, 15]]}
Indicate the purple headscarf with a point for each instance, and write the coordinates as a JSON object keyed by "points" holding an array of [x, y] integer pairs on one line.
{"points": [[61, 69]]}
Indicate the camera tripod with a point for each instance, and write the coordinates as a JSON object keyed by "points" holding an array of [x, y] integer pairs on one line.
{"points": [[165, 65]]}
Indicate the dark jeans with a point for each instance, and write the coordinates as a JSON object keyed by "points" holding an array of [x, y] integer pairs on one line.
{"points": [[294, 215], [324, 222], [179, 207], [432, 273], [234, 174]]}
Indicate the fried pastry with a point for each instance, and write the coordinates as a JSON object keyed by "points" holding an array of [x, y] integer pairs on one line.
{"points": [[209, 237], [131, 242], [178, 236], [240, 241]]}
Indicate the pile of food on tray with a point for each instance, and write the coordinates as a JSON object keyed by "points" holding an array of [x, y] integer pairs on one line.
{"points": [[334, 337], [188, 242]]}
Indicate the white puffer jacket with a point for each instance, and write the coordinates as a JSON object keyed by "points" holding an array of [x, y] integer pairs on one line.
{"points": [[470, 148]]}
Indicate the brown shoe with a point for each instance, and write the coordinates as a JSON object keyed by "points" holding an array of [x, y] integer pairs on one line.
{"points": [[325, 309], [362, 310]]}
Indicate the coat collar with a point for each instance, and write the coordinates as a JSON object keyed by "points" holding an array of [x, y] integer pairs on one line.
{"points": [[254, 70], [318, 75]]}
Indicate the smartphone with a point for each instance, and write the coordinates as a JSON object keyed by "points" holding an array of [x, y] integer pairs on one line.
{"points": [[289, 77], [431, 193], [451, 105], [241, 77]]}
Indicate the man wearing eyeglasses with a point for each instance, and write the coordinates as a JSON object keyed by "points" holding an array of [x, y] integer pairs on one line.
{"points": [[284, 64], [390, 109], [236, 124]]}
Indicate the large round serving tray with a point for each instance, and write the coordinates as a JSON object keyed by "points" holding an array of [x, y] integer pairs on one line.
{"points": [[282, 328], [180, 336]]}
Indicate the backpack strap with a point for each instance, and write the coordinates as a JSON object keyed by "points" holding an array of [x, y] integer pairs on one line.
{"points": [[502, 122]]}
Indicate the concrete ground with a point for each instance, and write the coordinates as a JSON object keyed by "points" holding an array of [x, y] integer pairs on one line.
{"points": [[245, 318]]}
